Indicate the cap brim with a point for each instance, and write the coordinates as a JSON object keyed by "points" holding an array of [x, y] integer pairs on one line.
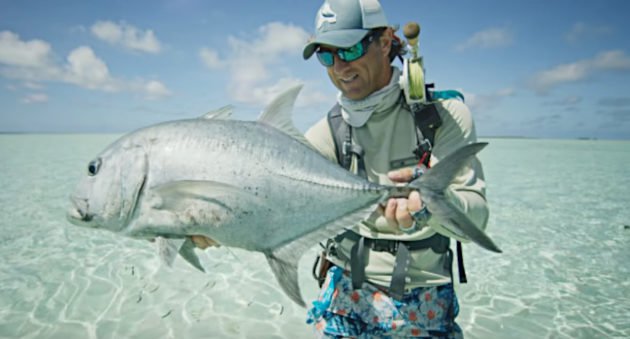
{"points": [[340, 38]]}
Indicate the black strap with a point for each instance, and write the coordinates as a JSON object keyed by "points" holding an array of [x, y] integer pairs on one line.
{"points": [[437, 242], [460, 264], [401, 267], [357, 263], [401, 249], [427, 120], [344, 147], [341, 134]]}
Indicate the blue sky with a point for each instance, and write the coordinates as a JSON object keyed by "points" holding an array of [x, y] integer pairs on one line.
{"points": [[552, 69]]}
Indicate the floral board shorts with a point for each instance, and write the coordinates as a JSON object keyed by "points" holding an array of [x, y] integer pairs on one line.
{"points": [[423, 312]]}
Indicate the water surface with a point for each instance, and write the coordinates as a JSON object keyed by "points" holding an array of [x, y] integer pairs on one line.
{"points": [[558, 210]]}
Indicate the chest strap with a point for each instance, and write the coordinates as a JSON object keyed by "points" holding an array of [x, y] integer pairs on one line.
{"points": [[401, 249], [344, 147]]}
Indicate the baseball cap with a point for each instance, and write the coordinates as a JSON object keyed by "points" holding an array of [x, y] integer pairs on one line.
{"points": [[343, 23]]}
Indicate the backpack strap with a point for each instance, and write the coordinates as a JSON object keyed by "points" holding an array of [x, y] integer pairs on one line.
{"points": [[401, 251], [427, 120], [344, 147]]}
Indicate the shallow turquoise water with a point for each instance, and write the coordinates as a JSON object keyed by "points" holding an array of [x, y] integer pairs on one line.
{"points": [[558, 212]]}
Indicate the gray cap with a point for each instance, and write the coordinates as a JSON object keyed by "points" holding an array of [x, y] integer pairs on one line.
{"points": [[343, 23]]}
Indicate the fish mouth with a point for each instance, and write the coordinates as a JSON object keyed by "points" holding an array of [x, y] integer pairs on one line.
{"points": [[78, 213]]}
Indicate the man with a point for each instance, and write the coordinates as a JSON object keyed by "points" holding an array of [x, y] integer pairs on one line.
{"points": [[362, 295]]}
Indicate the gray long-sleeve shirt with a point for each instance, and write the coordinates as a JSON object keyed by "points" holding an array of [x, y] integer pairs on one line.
{"points": [[388, 139]]}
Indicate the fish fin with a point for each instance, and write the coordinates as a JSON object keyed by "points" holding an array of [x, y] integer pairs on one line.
{"points": [[284, 268], [456, 221], [167, 249], [283, 260], [278, 114], [223, 113], [187, 251], [438, 177], [174, 193], [434, 182]]}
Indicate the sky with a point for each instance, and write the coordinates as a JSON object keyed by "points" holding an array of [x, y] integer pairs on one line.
{"points": [[527, 68]]}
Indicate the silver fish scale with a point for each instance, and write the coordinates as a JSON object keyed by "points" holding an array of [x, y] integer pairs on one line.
{"points": [[286, 186], [243, 184]]}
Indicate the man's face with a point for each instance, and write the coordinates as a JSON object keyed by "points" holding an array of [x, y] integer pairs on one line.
{"points": [[359, 78]]}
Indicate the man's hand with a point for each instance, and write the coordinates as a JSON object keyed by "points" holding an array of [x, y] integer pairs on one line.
{"points": [[203, 242], [398, 211]]}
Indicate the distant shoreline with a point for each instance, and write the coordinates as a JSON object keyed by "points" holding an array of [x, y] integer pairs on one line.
{"points": [[542, 138], [514, 137], [60, 133], [506, 137]]}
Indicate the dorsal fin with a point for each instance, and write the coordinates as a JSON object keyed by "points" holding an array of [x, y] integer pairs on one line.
{"points": [[223, 113], [278, 114]]}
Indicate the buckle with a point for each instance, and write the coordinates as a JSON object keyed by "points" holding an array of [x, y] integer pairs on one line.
{"points": [[346, 148], [424, 146], [384, 245]]}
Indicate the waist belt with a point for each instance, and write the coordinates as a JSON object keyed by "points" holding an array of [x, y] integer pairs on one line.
{"points": [[438, 243]]}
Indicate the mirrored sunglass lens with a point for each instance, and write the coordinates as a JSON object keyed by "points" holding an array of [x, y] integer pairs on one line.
{"points": [[353, 53], [326, 58]]}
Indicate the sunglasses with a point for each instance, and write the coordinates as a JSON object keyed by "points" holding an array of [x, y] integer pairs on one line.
{"points": [[327, 57]]}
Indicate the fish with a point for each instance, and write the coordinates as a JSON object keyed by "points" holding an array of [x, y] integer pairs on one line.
{"points": [[255, 185]]}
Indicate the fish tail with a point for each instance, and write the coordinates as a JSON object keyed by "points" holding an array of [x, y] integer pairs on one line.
{"points": [[438, 177], [434, 182]]}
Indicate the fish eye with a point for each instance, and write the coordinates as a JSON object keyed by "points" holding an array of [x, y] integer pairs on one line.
{"points": [[94, 166]]}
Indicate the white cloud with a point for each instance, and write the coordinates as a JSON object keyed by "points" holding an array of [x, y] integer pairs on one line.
{"points": [[623, 102], [489, 38], [580, 31], [479, 103], [274, 39], [210, 58], [580, 70], [85, 69], [32, 85], [35, 98], [31, 62], [569, 101], [155, 90], [127, 36], [15, 52], [611, 61], [251, 63], [505, 92]]}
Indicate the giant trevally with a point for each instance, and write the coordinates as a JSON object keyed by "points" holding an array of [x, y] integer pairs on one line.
{"points": [[252, 185]]}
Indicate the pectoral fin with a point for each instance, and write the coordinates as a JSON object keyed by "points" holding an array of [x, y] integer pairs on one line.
{"points": [[169, 248], [199, 189], [173, 193], [187, 251]]}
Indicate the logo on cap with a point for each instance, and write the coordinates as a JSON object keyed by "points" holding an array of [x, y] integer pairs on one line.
{"points": [[326, 14]]}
